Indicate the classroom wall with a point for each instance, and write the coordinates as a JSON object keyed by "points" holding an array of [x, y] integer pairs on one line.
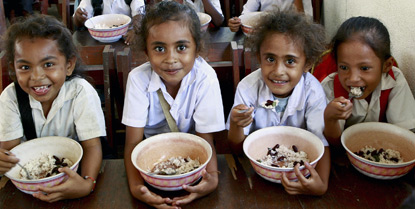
{"points": [[397, 15]]}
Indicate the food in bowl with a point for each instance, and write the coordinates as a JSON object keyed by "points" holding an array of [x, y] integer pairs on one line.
{"points": [[162, 147], [388, 156], [175, 166], [283, 157], [44, 166], [249, 21], [108, 28], [204, 20], [256, 143], [379, 135]]}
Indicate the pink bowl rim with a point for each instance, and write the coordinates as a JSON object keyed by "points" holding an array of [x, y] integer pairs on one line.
{"points": [[161, 137], [379, 126], [276, 128], [109, 29]]}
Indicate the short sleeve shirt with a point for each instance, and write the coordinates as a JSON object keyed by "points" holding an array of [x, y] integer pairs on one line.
{"points": [[75, 113], [199, 7], [197, 106], [305, 107], [115, 7], [267, 5]]}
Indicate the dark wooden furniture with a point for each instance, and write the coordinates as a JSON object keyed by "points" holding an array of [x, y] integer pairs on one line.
{"points": [[347, 189], [4, 73]]}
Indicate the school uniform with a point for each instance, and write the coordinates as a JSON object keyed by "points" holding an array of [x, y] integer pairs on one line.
{"points": [[197, 107], [400, 104], [115, 7], [75, 113], [198, 6], [267, 5], [305, 107]]}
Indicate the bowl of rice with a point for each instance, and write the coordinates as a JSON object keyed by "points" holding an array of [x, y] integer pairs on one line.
{"points": [[380, 150], [42, 157], [108, 28], [275, 150], [249, 21], [168, 161], [204, 20]]}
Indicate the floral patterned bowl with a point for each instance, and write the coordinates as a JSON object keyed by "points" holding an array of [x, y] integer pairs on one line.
{"points": [[256, 144], [108, 28], [204, 20], [249, 20], [161, 147], [380, 135], [54, 145]]}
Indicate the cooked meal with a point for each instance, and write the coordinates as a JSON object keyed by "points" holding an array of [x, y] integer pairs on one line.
{"points": [[388, 156], [284, 157], [44, 166], [175, 166]]}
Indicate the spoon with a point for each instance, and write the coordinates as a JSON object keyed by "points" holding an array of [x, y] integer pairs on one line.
{"points": [[27, 172]]}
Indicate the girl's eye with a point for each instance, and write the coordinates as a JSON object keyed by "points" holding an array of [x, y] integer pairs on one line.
{"points": [[48, 64], [364, 68], [291, 61], [181, 48], [24, 67], [342, 67], [270, 59], [159, 49]]}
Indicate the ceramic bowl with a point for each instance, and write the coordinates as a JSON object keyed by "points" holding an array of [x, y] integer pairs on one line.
{"points": [[108, 28], [249, 20], [257, 143], [204, 20], [379, 135], [54, 145], [161, 147]]}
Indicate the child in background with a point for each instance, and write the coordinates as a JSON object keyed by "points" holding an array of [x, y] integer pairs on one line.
{"points": [[287, 44], [267, 5], [361, 48], [171, 38], [46, 64], [90, 8]]}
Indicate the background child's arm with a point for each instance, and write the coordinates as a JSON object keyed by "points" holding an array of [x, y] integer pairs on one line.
{"points": [[217, 18], [338, 109], [299, 5], [209, 181], [7, 161], [135, 181], [318, 181], [237, 123]]}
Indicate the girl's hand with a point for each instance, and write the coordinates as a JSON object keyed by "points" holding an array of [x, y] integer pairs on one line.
{"points": [[75, 187], [129, 37], [338, 109], [7, 161], [80, 16], [234, 23], [142, 193], [240, 117], [314, 185], [207, 185]]}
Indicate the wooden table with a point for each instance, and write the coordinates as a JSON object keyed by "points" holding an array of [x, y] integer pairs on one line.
{"points": [[347, 189]]}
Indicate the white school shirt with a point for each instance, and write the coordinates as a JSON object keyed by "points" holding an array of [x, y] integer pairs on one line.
{"points": [[198, 6], [75, 113], [401, 103], [197, 106], [267, 5], [305, 108], [115, 7]]}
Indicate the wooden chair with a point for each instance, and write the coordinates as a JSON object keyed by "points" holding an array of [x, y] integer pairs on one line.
{"points": [[5, 77], [250, 61]]}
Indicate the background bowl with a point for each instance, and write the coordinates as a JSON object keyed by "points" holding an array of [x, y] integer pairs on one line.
{"points": [[256, 146], [204, 20], [98, 27], [380, 135], [249, 20], [163, 146], [54, 145]]}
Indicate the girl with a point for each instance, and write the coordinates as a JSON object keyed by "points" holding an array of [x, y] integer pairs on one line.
{"points": [[361, 49], [45, 61], [286, 44], [170, 36]]}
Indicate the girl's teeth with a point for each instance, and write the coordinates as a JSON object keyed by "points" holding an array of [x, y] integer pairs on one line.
{"points": [[278, 81], [38, 88]]}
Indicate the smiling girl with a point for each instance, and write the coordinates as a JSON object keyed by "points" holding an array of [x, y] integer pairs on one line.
{"points": [[170, 36], [286, 44], [45, 61]]}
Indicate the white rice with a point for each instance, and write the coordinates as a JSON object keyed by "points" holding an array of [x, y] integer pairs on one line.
{"points": [[39, 168], [274, 104], [175, 166], [283, 157], [356, 91], [388, 156]]}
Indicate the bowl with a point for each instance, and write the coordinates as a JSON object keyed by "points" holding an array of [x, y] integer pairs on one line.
{"points": [[108, 28], [161, 147], [249, 20], [257, 143], [379, 135], [204, 20], [54, 145]]}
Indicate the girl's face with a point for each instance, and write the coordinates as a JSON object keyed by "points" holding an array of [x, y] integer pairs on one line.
{"points": [[171, 50], [358, 66], [41, 68], [282, 64]]}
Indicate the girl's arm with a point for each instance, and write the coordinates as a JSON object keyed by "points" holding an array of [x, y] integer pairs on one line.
{"points": [[7, 161], [299, 5], [338, 109], [135, 181], [217, 17], [92, 159]]}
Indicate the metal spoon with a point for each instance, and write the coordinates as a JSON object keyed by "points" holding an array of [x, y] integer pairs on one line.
{"points": [[27, 172]]}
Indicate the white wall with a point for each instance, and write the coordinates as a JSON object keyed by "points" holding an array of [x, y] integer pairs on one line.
{"points": [[397, 15]]}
